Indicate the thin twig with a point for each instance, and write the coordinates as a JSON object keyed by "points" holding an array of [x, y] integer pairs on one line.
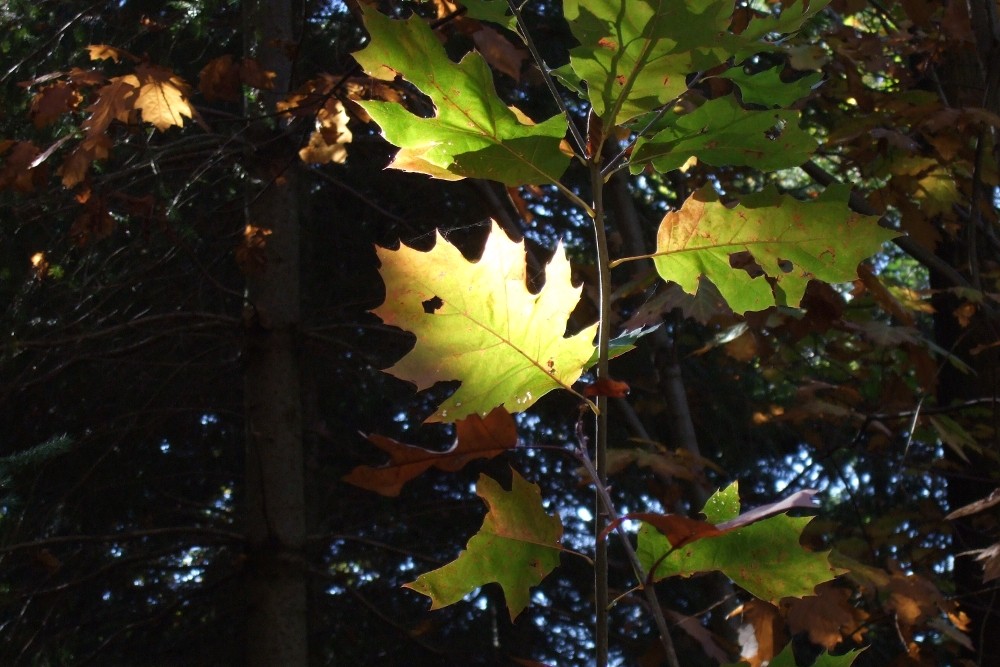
{"points": [[581, 144], [608, 509]]}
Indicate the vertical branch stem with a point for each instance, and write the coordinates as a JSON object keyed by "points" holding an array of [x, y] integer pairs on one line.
{"points": [[601, 425]]}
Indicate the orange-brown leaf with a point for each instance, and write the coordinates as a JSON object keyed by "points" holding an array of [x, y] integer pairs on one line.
{"points": [[828, 617], [52, 101], [76, 165], [255, 76], [16, 170], [476, 438], [162, 97], [764, 634], [115, 101], [328, 141], [106, 52], [220, 80], [607, 387]]}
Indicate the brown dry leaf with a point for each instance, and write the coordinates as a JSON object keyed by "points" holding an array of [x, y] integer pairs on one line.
{"points": [[105, 52], [251, 254], [828, 616], [964, 314], [763, 635], [16, 171], [85, 77], [476, 438], [883, 297], [665, 465], [255, 76], [678, 529], [328, 141], [162, 96], [743, 348], [115, 101], [219, 80], [76, 165], [913, 599], [94, 224], [607, 387], [973, 508], [502, 54], [52, 101]]}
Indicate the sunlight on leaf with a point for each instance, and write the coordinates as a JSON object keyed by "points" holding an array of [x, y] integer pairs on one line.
{"points": [[472, 133], [504, 343], [786, 243], [517, 547]]}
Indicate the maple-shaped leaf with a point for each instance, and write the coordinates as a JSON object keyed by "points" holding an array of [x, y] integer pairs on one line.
{"points": [[765, 558], [477, 322], [722, 133], [162, 96], [114, 101], [472, 133], [475, 438], [784, 241], [52, 101], [517, 547]]}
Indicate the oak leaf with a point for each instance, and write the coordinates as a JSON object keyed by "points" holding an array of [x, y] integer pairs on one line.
{"points": [[477, 322], [517, 547], [472, 133], [762, 555], [475, 438], [783, 243], [828, 617]]}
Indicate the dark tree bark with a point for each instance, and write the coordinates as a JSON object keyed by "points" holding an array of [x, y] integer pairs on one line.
{"points": [[275, 503]]}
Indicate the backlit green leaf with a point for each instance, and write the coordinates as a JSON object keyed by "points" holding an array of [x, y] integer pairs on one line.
{"points": [[472, 133], [721, 133], [517, 547], [767, 89], [478, 323], [765, 558], [768, 238]]}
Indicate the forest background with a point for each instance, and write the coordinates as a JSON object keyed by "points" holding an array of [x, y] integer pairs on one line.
{"points": [[192, 195]]}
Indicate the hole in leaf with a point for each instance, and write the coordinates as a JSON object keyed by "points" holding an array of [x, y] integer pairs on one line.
{"points": [[744, 260], [785, 265], [430, 305], [774, 133]]}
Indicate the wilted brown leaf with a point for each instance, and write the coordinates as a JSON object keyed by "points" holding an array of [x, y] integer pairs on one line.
{"points": [[828, 617], [328, 141], [763, 633], [53, 101], [476, 438], [219, 80], [114, 101], [93, 224], [16, 170]]}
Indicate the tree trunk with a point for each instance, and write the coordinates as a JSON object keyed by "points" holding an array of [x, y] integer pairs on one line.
{"points": [[276, 624]]}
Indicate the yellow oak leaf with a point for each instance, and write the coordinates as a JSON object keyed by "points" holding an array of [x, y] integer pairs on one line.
{"points": [[477, 322]]}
